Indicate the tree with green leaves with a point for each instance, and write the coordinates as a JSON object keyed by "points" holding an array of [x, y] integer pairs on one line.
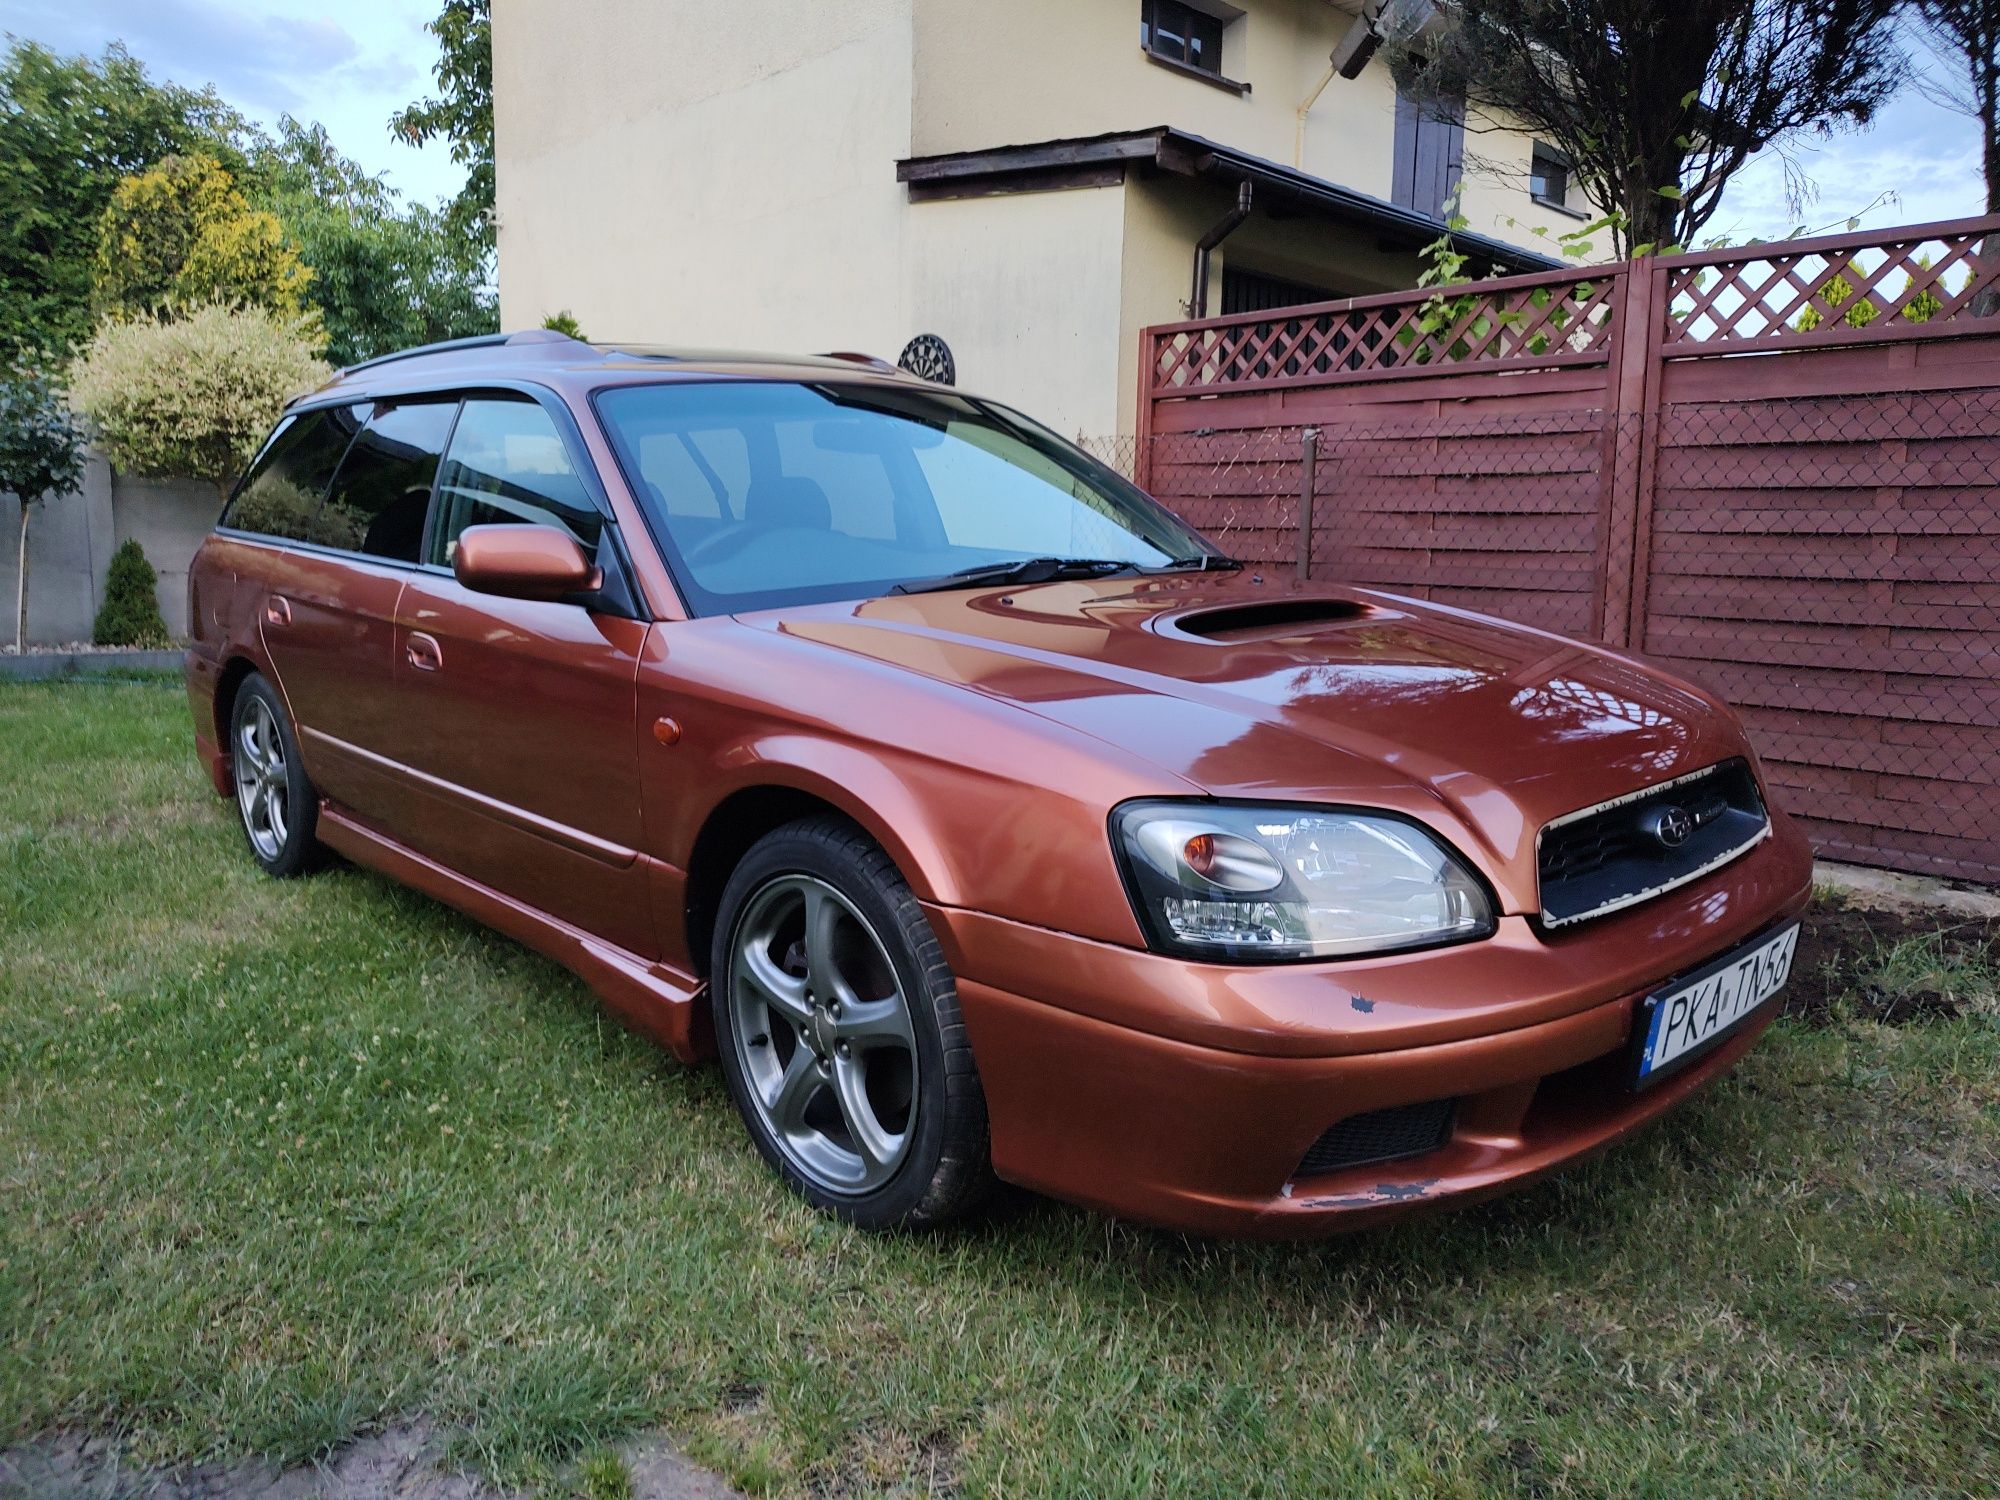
{"points": [[41, 458], [385, 275], [71, 129], [1657, 106], [181, 235], [462, 111]]}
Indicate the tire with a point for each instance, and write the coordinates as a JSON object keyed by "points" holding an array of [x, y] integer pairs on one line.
{"points": [[838, 1024], [277, 806]]}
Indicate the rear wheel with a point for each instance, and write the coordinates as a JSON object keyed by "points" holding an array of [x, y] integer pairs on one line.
{"points": [[277, 804], [839, 1030]]}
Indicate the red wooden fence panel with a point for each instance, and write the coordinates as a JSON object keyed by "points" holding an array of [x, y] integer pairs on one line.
{"points": [[1774, 468]]}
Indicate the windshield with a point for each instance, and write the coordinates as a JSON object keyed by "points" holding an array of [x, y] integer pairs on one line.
{"points": [[775, 494]]}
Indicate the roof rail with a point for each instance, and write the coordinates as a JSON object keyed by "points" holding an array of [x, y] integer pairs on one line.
{"points": [[475, 341], [871, 360]]}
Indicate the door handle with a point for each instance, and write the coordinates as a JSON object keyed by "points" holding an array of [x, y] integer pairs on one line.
{"points": [[423, 652], [277, 610]]}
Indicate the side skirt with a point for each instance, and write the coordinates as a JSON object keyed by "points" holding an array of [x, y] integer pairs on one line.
{"points": [[663, 1003]]}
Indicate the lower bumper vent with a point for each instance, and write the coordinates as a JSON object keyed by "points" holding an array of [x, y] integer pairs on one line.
{"points": [[1380, 1135]]}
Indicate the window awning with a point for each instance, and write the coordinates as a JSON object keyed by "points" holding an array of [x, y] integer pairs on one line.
{"points": [[1096, 161]]}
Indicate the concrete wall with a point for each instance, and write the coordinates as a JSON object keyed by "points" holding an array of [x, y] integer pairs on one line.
{"points": [[70, 542], [168, 518]]}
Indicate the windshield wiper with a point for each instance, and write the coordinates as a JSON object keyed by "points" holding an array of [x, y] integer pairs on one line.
{"points": [[1025, 570]]}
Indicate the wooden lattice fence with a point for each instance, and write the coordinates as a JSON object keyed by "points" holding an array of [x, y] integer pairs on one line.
{"points": [[1776, 468]]}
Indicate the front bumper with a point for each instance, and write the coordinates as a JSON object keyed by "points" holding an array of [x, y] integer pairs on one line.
{"points": [[1187, 1095]]}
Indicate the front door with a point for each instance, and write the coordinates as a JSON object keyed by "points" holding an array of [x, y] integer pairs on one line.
{"points": [[516, 720]]}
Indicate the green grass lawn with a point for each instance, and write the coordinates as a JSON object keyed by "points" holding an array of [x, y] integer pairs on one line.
{"points": [[283, 1161]]}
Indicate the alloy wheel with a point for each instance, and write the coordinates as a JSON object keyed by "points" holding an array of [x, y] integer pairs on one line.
{"points": [[262, 789], [823, 1034]]}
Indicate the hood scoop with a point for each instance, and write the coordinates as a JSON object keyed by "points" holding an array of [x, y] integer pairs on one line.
{"points": [[1265, 618]]}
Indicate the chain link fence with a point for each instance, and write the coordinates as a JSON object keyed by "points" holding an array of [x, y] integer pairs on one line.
{"points": [[1831, 566]]}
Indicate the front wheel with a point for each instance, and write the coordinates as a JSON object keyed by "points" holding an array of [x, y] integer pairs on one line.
{"points": [[840, 1035]]}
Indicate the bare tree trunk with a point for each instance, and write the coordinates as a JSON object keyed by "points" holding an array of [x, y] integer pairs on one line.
{"points": [[21, 583], [1986, 88]]}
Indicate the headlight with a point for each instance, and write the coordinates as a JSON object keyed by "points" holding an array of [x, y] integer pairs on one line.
{"points": [[1264, 884]]}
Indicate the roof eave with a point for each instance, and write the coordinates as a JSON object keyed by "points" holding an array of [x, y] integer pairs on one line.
{"points": [[1095, 160]]}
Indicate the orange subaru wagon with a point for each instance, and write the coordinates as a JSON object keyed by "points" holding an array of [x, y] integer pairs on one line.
{"points": [[986, 821]]}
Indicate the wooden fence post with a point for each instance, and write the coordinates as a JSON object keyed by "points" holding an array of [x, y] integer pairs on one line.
{"points": [[1634, 357], [1142, 418]]}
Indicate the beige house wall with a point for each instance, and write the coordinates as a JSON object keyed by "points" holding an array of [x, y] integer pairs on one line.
{"points": [[1035, 70], [671, 179], [1027, 288], [673, 171]]}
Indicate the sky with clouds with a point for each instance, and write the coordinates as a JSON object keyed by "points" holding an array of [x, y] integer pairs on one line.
{"points": [[351, 66], [348, 66], [1916, 163]]}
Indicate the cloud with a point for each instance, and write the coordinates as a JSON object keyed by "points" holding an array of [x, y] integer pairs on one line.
{"points": [[261, 61], [1916, 163], [273, 57]]}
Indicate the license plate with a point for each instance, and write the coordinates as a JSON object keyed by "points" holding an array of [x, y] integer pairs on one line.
{"points": [[1679, 1024]]}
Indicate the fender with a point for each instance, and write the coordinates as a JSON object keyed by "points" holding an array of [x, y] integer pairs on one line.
{"points": [[847, 777]]}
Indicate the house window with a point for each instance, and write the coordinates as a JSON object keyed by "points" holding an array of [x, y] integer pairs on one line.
{"points": [[1181, 34], [1548, 177]]}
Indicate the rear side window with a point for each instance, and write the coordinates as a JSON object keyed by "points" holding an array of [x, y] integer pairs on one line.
{"points": [[281, 496], [383, 488], [507, 465]]}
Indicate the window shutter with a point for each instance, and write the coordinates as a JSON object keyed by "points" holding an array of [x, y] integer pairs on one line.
{"points": [[1430, 154]]}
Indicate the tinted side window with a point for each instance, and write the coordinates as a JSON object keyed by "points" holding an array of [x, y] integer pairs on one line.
{"points": [[383, 488], [281, 496], [507, 465]]}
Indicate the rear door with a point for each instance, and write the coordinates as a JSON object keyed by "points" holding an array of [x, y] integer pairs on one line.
{"points": [[299, 591], [516, 720], [328, 613]]}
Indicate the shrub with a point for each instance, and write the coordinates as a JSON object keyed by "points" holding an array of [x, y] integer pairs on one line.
{"points": [[1838, 293], [131, 612], [565, 322], [194, 396], [182, 234]]}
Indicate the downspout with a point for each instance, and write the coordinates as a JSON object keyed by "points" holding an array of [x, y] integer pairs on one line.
{"points": [[1223, 228]]}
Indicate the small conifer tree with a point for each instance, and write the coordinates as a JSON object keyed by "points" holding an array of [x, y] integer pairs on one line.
{"points": [[131, 612]]}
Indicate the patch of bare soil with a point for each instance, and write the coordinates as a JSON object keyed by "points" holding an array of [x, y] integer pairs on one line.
{"points": [[1855, 960], [398, 1463]]}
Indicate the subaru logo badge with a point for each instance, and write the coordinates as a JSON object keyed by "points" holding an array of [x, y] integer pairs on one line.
{"points": [[1671, 825]]}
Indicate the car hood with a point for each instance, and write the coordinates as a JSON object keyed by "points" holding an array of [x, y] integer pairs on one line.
{"points": [[1234, 687]]}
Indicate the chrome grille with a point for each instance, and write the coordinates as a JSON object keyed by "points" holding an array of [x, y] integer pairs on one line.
{"points": [[1621, 852]]}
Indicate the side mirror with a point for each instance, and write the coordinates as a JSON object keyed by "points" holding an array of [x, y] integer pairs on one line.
{"points": [[523, 562]]}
